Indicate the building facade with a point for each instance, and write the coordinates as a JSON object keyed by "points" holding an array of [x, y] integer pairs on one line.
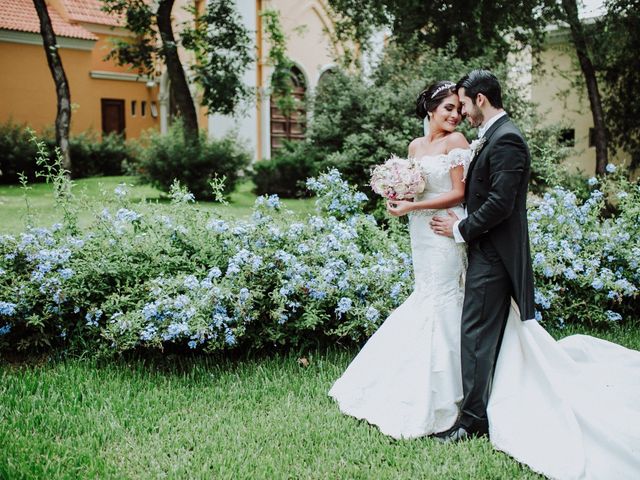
{"points": [[308, 26], [105, 97]]}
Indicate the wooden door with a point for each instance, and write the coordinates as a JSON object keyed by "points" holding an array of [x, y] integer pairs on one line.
{"points": [[292, 126], [112, 116]]}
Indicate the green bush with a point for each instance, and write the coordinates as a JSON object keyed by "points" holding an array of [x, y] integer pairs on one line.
{"points": [[90, 156], [165, 158], [360, 121], [285, 174], [17, 153]]}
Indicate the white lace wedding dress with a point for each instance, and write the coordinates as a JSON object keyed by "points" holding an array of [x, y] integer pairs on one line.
{"points": [[567, 409]]}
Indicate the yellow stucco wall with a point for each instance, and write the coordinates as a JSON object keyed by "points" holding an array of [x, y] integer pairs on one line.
{"points": [[561, 102], [308, 44], [28, 93], [560, 92]]}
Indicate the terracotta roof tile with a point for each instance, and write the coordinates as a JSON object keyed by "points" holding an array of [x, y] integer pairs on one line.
{"points": [[21, 15], [89, 11]]}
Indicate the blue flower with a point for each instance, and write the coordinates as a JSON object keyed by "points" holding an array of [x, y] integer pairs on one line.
{"points": [[192, 344], [613, 316], [243, 296], [610, 168], [215, 272], [148, 333], [125, 215], [150, 310], [285, 291], [5, 329], [597, 284], [121, 190], [592, 181], [7, 309], [191, 282], [344, 305], [229, 337], [273, 201], [66, 273], [372, 314], [218, 226], [542, 300]]}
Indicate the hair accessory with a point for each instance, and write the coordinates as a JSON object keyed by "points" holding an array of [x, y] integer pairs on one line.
{"points": [[441, 88]]}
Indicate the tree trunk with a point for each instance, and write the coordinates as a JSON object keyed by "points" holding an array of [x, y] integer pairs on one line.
{"points": [[578, 36], [179, 84], [63, 116]]}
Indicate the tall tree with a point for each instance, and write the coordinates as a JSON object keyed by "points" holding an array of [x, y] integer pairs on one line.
{"points": [[615, 43], [179, 83], [220, 42], [579, 39], [63, 115]]}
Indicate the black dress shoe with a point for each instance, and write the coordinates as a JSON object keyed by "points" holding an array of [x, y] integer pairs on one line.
{"points": [[455, 434]]}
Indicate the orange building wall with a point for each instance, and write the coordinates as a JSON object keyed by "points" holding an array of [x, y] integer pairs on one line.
{"points": [[27, 91]]}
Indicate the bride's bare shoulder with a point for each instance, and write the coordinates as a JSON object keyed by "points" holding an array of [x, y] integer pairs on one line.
{"points": [[414, 146], [456, 140]]}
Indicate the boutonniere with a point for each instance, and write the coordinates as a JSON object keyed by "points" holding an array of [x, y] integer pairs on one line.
{"points": [[476, 146]]}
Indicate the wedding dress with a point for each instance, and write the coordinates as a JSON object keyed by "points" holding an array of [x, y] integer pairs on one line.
{"points": [[568, 409]]}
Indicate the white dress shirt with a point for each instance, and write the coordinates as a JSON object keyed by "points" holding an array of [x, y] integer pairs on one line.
{"points": [[481, 131]]}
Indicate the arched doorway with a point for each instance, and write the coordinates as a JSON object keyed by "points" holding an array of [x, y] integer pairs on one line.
{"points": [[289, 127]]}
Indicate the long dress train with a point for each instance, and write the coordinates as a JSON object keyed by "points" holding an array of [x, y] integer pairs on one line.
{"points": [[569, 410]]}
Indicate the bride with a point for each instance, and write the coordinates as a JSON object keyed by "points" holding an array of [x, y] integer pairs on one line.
{"points": [[567, 409]]}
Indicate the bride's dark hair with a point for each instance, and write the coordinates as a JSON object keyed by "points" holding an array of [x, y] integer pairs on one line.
{"points": [[432, 96]]}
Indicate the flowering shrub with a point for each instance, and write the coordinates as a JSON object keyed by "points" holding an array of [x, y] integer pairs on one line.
{"points": [[587, 265], [142, 278], [145, 277]]}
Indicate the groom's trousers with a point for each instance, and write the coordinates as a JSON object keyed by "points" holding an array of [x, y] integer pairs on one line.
{"points": [[487, 300]]}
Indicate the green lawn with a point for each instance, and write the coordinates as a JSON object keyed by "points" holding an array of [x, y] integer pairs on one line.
{"points": [[204, 417], [13, 208]]}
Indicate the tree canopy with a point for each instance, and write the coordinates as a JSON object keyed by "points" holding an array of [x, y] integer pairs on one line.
{"points": [[475, 26]]}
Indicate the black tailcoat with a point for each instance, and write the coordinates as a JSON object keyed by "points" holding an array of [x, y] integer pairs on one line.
{"points": [[496, 197]]}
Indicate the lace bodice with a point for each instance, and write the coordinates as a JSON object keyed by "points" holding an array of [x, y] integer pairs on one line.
{"points": [[436, 170], [438, 262]]}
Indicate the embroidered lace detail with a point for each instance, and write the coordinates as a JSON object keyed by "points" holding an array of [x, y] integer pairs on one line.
{"points": [[436, 168]]}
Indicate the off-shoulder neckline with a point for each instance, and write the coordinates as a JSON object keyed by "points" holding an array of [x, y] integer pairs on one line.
{"points": [[443, 154]]}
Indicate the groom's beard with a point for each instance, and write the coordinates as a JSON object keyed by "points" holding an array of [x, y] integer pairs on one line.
{"points": [[475, 117]]}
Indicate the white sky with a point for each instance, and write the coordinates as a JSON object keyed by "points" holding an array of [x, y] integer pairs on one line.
{"points": [[590, 8]]}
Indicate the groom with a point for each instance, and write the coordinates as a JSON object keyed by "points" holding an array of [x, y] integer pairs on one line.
{"points": [[497, 236]]}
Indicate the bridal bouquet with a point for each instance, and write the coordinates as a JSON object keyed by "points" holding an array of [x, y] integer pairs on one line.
{"points": [[398, 179]]}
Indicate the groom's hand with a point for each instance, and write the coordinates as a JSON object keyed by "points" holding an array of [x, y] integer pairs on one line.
{"points": [[444, 225]]}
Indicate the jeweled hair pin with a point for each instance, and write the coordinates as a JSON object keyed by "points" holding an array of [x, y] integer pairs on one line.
{"points": [[441, 88]]}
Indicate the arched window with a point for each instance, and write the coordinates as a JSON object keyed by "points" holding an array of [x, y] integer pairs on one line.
{"points": [[289, 127], [326, 75]]}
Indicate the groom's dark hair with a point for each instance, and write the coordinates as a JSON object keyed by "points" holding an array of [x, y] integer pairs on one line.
{"points": [[484, 82]]}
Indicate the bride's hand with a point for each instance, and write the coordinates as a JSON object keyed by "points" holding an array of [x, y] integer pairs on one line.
{"points": [[399, 208]]}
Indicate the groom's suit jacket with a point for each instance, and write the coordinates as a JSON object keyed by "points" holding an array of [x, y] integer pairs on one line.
{"points": [[496, 196]]}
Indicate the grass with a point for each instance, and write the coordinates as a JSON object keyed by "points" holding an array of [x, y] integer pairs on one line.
{"points": [[13, 208], [203, 417]]}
